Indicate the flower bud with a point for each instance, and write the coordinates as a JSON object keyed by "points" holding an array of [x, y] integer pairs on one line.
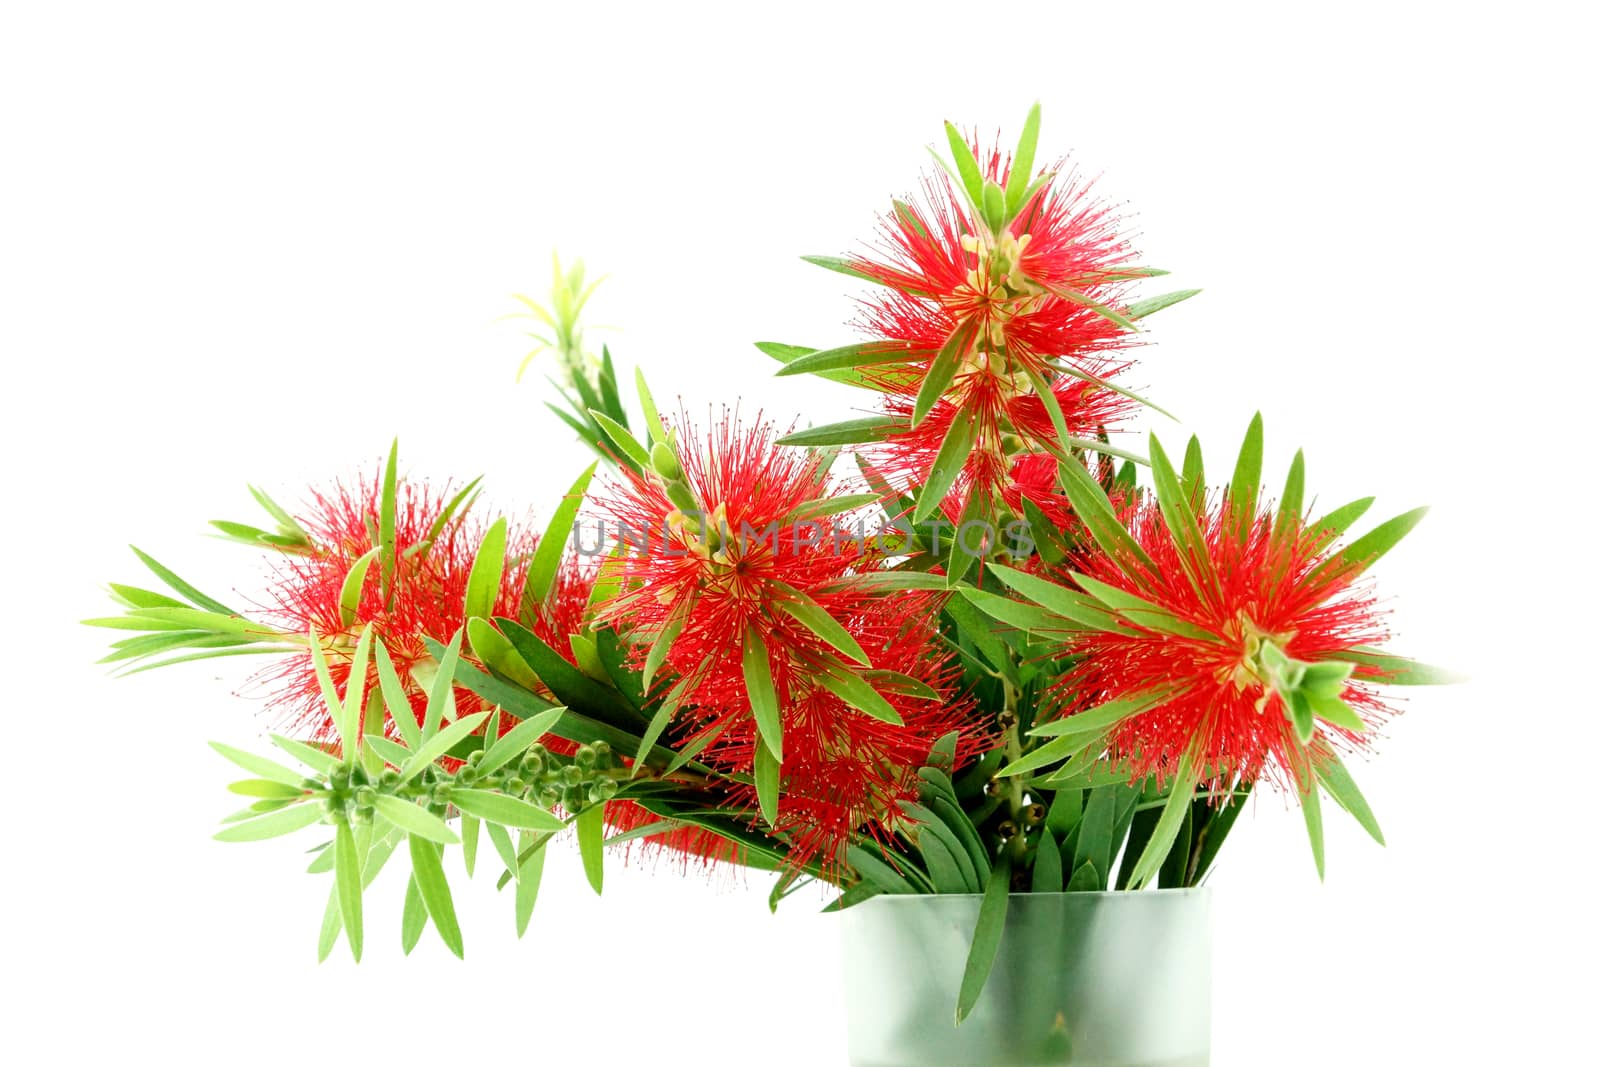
{"points": [[665, 463]]}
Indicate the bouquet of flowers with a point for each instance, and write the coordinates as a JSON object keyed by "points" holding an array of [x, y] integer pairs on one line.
{"points": [[973, 641]]}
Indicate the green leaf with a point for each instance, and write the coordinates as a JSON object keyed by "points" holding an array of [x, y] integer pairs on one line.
{"points": [[387, 558], [505, 810], [1086, 879], [849, 432], [855, 691], [1182, 786], [1028, 618], [846, 376], [1047, 865], [966, 164], [413, 918], [470, 825], [1289, 508], [134, 597], [763, 694], [1366, 550], [660, 648], [652, 417], [488, 567], [328, 936], [1395, 670], [1091, 505], [330, 693], [1104, 716], [630, 448], [947, 465], [317, 759], [354, 692], [347, 880], [263, 789], [1245, 487], [517, 740], [1097, 828], [850, 357], [414, 819], [552, 546], [396, 700], [495, 651], [461, 502], [441, 691], [427, 873], [1073, 296], [273, 823], [529, 874], [1068, 603], [939, 854], [1335, 778], [985, 937], [441, 743], [590, 824], [768, 771], [808, 613], [181, 587], [876, 871], [350, 591], [1311, 808], [1194, 473], [1150, 305], [942, 370], [1022, 163], [1193, 553], [1141, 612], [840, 265], [260, 765], [1337, 521]]}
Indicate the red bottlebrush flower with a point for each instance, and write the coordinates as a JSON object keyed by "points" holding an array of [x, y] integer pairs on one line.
{"points": [[711, 578], [426, 600], [906, 456], [1276, 588], [1031, 294], [845, 773]]}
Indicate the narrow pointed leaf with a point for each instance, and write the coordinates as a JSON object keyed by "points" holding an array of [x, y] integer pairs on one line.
{"points": [[985, 937], [260, 765], [1336, 779], [350, 591], [966, 165], [1246, 484], [947, 465], [590, 824], [1022, 163], [273, 823], [1150, 305], [763, 695], [396, 700], [488, 567], [414, 819], [441, 743], [767, 773], [552, 546], [347, 880], [505, 810], [427, 873]]}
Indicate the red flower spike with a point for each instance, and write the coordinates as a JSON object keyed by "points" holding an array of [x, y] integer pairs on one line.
{"points": [[1223, 714], [1024, 292], [427, 598]]}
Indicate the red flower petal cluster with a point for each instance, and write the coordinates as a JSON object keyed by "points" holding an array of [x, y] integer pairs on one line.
{"points": [[1278, 584], [426, 599], [1019, 305], [705, 585]]}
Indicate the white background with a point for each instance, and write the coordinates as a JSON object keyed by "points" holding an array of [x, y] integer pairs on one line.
{"points": [[253, 242]]}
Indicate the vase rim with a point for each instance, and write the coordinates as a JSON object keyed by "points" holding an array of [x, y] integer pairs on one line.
{"points": [[1102, 894]]}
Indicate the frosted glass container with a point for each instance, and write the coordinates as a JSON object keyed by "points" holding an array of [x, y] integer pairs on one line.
{"points": [[1087, 979]]}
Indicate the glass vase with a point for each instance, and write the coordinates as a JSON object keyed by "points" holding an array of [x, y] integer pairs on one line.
{"points": [[1087, 979]]}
